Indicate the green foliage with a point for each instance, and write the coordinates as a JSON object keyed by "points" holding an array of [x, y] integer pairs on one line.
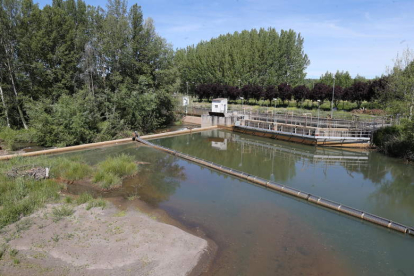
{"points": [[399, 98], [111, 171], [60, 212], [99, 202], [70, 169], [396, 141], [68, 69], [262, 57], [71, 120], [83, 198], [11, 138], [20, 197]]}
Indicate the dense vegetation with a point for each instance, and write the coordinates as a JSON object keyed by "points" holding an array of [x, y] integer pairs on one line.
{"points": [[357, 91], [76, 73], [257, 57], [396, 141], [21, 194]]}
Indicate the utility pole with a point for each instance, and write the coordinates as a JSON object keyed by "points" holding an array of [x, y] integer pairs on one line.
{"points": [[333, 92]]}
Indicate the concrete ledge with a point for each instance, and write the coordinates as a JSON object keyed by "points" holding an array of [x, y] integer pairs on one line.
{"points": [[99, 144]]}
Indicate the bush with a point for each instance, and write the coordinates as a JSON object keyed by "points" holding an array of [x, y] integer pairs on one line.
{"points": [[396, 141], [11, 137]]}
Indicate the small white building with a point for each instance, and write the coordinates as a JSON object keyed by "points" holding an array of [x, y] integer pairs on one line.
{"points": [[219, 105]]}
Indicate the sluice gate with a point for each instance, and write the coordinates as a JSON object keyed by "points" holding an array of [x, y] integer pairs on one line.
{"points": [[291, 191]]}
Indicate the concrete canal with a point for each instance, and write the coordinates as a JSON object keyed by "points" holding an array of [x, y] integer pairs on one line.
{"points": [[261, 232]]}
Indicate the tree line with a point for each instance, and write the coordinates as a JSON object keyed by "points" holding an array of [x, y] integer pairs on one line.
{"points": [[258, 57], [77, 73], [358, 91]]}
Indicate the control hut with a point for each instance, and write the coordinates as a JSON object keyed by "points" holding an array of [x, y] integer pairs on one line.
{"points": [[219, 107]]}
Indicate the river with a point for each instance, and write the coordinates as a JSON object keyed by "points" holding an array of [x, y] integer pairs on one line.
{"points": [[262, 232]]}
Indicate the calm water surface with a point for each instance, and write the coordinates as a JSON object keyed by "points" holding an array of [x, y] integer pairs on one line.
{"points": [[261, 232]]}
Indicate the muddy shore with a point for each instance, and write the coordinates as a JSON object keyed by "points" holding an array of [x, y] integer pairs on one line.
{"points": [[125, 238]]}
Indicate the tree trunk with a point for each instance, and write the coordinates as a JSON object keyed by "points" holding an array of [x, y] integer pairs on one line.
{"points": [[6, 112], [16, 96]]}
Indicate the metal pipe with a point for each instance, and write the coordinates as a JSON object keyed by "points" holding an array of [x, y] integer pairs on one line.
{"points": [[293, 192]]}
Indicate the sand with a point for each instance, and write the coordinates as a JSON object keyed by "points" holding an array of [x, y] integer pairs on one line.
{"points": [[100, 242]]}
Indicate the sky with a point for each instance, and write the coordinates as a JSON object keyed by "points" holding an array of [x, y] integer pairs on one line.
{"points": [[359, 36]]}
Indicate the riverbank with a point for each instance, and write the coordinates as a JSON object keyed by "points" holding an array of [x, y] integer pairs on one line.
{"points": [[100, 242]]}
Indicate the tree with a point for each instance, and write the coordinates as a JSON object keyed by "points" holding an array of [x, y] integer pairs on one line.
{"points": [[9, 21], [285, 92], [300, 93], [258, 57], [320, 92], [401, 84]]}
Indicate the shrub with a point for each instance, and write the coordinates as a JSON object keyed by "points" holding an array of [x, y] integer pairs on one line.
{"points": [[396, 141], [11, 137]]}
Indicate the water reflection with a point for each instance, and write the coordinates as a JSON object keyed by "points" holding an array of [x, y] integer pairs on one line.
{"points": [[359, 178], [157, 180]]}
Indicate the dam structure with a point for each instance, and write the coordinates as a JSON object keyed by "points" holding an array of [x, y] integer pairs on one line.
{"points": [[299, 128]]}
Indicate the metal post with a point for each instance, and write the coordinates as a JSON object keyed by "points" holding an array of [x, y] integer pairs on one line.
{"points": [[333, 92], [318, 113]]}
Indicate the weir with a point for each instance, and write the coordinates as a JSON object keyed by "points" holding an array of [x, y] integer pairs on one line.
{"points": [[291, 191], [300, 128]]}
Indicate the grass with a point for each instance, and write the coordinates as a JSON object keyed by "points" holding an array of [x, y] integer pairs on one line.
{"points": [[13, 253], [3, 249], [99, 202], [111, 171], [83, 198], [21, 196], [70, 169], [59, 213]]}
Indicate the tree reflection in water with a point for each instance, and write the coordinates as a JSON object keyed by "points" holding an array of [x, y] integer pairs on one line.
{"points": [[157, 180]]}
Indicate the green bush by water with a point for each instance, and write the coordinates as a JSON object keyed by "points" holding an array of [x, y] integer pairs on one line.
{"points": [[11, 137], [396, 141]]}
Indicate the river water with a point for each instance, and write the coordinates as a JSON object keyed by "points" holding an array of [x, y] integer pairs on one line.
{"points": [[262, 232]]}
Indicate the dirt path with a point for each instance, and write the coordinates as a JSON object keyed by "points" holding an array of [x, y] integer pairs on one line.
{"points": [[99, 242]]}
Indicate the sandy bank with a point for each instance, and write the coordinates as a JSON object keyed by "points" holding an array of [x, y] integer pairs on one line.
{"points": [[100, 242]]}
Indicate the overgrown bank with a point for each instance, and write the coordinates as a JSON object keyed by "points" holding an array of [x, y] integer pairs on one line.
{"points": [[26, 187], [396, 141]]}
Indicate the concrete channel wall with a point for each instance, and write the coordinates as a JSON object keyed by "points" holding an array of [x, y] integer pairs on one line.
{"points": [[293, 192], [106, 143]]}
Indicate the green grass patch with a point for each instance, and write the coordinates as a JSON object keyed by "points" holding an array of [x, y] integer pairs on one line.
{"points": [[99, 202], [70, 169], [21, 197], [60, 212], [83, 198], [111, 171]]}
